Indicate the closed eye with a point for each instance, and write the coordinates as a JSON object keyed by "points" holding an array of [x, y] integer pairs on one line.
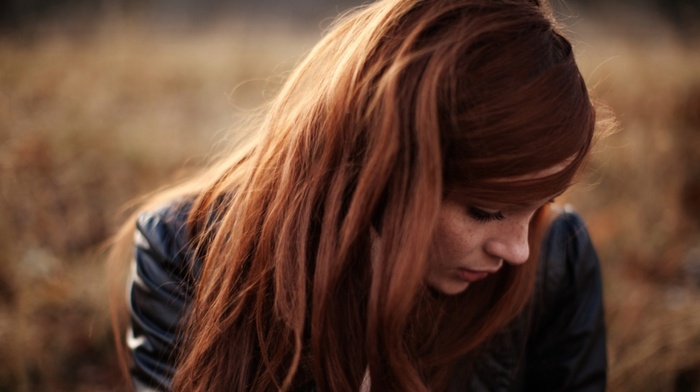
{"points": [[484, 216]]}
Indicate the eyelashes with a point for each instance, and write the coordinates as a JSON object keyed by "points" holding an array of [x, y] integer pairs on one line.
{"points": [[480, 215], [483, 216]]}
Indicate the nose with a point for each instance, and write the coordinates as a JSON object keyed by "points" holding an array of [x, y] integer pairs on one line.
{"points": [[510, 242]]}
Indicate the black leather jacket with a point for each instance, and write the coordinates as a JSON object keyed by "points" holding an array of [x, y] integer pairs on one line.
{"points": [[563, 350]]}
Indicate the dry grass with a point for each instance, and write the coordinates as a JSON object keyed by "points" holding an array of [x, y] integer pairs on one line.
{"points": [[639, 203], [86, 124], [88, 121]]}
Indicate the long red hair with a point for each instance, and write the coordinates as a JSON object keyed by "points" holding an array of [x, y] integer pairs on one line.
{"points": [[402, 102]]}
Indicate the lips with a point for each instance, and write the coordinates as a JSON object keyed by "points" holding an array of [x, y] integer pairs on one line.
{"points": [[471, 276]]}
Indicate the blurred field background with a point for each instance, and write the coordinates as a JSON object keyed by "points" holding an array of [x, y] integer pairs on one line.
{"points": [[101, 103]]}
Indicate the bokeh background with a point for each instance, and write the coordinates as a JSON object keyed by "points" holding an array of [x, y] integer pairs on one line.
{"points": [[102, 101]]}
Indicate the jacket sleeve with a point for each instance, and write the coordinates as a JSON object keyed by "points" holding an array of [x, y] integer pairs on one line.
{"points": [[566, 350], [158, 291]]}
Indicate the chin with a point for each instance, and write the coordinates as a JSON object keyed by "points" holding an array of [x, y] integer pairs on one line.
{"points": [[449, 288]]}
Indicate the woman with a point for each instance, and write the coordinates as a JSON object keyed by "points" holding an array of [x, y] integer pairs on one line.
{"points": [[382, 231]]}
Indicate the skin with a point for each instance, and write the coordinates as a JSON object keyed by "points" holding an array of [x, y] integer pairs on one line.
{"points": [[470, 245]]}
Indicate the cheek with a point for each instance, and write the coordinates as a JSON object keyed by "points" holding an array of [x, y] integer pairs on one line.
{"points": [[455, 239], [453, 247]]}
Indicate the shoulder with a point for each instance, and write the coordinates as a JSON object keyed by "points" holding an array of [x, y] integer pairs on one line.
{"points": [[163, 235], [566, 345], [568, 260], [161, 282], [159, 288], [164, 228], [567, 232]]}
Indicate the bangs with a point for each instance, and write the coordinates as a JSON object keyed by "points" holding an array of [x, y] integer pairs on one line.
{"points": [[516, 109], [523, 130], [504, 168], [521, 190]]}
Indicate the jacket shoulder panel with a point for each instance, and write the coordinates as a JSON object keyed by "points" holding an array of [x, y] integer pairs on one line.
{"points": [[566, 348], [159, 289]]}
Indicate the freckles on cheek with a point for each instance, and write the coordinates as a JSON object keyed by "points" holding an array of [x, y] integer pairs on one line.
{"points": [[452, 237]]}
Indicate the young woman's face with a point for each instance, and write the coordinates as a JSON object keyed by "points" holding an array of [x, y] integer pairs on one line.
{"points": [[473, 241]]}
